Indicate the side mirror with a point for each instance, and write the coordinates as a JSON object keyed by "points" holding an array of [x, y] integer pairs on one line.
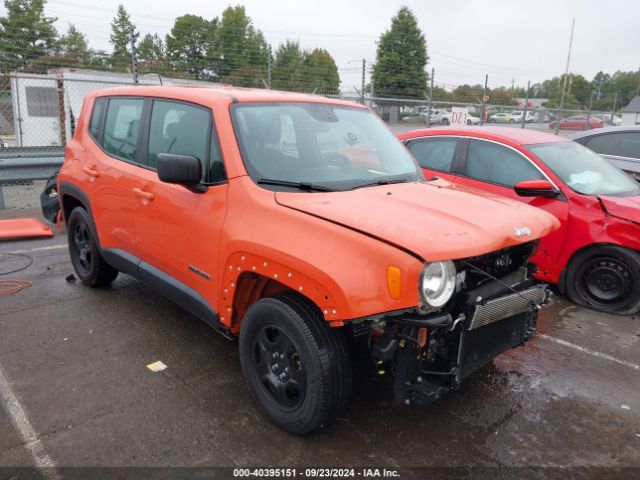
{"points": [[181, 169], [536, 188]]}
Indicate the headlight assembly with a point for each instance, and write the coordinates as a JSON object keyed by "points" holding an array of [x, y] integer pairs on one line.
{"points": [[437, 284]]}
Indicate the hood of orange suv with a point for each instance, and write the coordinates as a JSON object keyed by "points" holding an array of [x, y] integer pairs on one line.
{"points": [[433, 222]]}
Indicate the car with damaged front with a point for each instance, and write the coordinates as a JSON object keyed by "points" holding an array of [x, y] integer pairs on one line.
{"points": [[302, 227]]}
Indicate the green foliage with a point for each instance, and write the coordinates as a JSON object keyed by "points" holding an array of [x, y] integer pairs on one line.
{"points": [[298, 70], [122, 29], [288, 67], [150, 53], [401, 59], [74, 46], [239, 46], [321, 73], [190, 45], [501, 96], [98, 59], [25, 33]]}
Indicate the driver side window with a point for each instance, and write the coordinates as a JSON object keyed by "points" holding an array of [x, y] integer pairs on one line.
{"points": [[493, 163]]}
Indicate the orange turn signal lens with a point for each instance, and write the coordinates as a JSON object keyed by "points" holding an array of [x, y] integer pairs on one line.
{"points": [[394, 282]]}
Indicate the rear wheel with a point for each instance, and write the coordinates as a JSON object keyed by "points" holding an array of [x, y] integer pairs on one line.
{"points": [[297, 366], [445, 121], [83, 249], [606, 278]]}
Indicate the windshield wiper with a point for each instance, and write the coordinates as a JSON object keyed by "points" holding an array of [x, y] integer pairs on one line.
{"points": [[304, 186], [382, 181]]}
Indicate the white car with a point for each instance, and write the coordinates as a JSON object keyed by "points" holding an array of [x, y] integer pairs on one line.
{"points": [[516, 115], [438, 116], [606, 118]]}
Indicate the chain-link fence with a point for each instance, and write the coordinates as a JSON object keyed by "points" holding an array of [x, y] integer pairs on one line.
{"points": [[38, 115]]}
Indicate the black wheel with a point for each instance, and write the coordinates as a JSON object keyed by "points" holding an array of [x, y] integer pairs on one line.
{"points": [[297, 366], [511, 120], [83, 249], [606, 278], [468, 122], [445, 121], [491, 120]]}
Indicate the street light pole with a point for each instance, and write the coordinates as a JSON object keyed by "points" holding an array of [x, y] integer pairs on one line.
{"points": [[566, 75]]}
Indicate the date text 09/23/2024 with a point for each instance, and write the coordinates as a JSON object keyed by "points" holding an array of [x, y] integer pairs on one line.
{"points": [[315, 473]]}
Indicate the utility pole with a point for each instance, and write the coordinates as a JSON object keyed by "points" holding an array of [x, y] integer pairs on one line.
{"points": [[484, 95], [430, 98], [590, 105], [566, 75], [134, 58], [364, 71], [269, 66], [526, 104]]}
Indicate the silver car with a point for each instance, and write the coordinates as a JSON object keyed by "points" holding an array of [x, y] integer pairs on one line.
{"points": [[619, 145]]}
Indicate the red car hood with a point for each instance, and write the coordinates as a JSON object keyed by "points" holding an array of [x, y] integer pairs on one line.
{"points": [[433, 222], [627, 208]]}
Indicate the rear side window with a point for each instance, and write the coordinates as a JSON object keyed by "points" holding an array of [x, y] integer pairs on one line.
{"points": [[122, 127], [490, 162], [620, 144], [96, 116], [434, 153]]}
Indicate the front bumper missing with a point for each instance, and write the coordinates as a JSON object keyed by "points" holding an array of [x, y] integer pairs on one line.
{"points": [[507, 306], [483, 329]]}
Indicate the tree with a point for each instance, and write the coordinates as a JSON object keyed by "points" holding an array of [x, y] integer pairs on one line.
{"points": [[239, 45], [321, 72], [401, 59], [25, 33], [288, 67], [580, 88], [601, 84], [98, 59], [189, 45], [74, 46], [122, 29], [468, 93], [151, 52]]}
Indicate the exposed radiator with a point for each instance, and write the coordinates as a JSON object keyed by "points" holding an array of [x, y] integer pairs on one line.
{"points": [[507, 306]]}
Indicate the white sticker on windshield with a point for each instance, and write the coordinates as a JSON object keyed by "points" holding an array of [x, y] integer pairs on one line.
{"points": [[586, 182]]}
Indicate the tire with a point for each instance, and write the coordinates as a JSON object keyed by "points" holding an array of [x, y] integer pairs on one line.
{"points": [[606, 278], [511, 120], [87, 262], [296, 366], [445, 121], [491, 120], [468, 122]]}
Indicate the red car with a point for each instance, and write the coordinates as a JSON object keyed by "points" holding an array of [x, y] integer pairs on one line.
{"points": [[578, 122], [595, 255]]}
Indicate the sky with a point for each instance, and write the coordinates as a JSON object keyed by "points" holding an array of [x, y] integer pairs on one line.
{"points": [[510, 40]]}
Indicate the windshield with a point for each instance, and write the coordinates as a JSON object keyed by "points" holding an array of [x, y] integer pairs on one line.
{"points": [[319, 145], [585, 171]]}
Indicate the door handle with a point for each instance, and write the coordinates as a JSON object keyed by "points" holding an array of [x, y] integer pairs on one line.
{"points": [[144, 195], [91, 171]]}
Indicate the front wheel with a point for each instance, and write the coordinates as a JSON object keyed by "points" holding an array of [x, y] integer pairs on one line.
{"points": [[297, 366], [83, 249], [445, 121], [607, 279]]}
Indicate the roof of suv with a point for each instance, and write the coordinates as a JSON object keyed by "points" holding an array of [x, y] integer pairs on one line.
{"points": [[233, 94], [521, 136]]}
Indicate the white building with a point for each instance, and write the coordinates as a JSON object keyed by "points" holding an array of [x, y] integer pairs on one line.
{"points": [[45, 106], [631, 113]]}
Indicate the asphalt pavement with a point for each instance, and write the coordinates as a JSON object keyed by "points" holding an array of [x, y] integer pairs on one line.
{"points": [[75, 392]]}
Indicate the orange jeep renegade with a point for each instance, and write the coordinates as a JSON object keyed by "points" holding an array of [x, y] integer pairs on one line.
{"points": [[301, 225]]}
